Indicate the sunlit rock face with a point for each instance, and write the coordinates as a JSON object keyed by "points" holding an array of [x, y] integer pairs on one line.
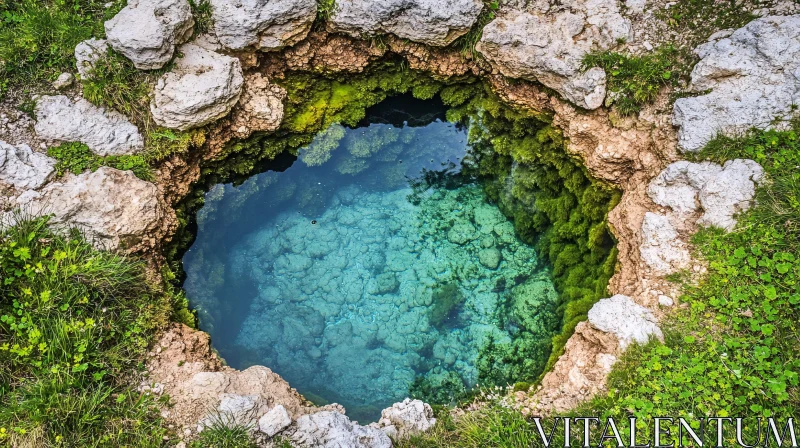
{"points": [[373, 261]]}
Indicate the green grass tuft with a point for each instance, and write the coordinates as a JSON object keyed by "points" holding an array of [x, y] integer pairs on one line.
{"points": [[636, 80], [38, 37], [75, 324]]}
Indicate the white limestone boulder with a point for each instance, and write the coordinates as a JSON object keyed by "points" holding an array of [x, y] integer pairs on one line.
{"points": [[87, 54], [113, 208], [274, 421], [661, 249], [201, 88], [262, 24], [105, 132], [147, 31], [754, 78], [407, 418], [720, 191], [548, 45], [23, 168], [332, 429], [431, 22], [624, 318]]}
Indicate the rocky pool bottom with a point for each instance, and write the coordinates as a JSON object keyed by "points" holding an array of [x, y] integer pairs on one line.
{"points": [[372, 268]]}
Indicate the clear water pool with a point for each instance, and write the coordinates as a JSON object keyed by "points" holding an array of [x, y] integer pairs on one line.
{"points": [[372, 261]]}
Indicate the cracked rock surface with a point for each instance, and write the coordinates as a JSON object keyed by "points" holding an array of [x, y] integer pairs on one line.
{"points": [[262, 24], [431, 22], [147, 31], [23, 168], [201, 88], [106, 132], [547, 44], [753, 75]]}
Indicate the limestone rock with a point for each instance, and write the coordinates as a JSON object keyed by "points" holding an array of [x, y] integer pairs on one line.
{"points": [[235, 410], [661, 248], [88, 53], [408, 418], [147, 31], [754, 77], [63, 81], [332, 429], [274, 421], [201, 88], [626, 319], [490, 258], [105, 132], [262, 24], [261, 106], [548, 46], [720, 191], [431, 22], [23, 168], [112, 208]]}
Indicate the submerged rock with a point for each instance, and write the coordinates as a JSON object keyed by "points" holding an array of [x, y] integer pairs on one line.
{"points": [[431, 22], [113, 208], [627, 320], [106, 132], [548, 45], [661, 249], [23, 168], [332, 429], [147, 31], [720, 191], [201, 88], [262, 24], [753, 77], [87, 54]]}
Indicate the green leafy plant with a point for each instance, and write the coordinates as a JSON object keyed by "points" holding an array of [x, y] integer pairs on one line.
{"points": [[77, 157], [202, 13], [74, 326]]}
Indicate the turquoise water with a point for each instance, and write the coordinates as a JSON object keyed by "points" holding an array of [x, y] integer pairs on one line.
{"points": [[370, 261]]}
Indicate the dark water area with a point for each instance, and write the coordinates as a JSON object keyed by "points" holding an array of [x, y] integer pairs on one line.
{"points": [[372, 260]]}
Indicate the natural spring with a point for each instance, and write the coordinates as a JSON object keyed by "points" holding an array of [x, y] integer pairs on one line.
{"points": [[377, 263]]}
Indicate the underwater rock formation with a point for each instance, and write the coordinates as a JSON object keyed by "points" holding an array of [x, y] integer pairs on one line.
{"points": [[147, 31], [202, 87], [262, 24], [548, 45], [113, 208], [431, 22], [23, 168], [373, 283], [106, 132], [753, 77]]}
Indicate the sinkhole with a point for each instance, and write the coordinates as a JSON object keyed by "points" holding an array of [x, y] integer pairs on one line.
{"points": [[402, 255]]}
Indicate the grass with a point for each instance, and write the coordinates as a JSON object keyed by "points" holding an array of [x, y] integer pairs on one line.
{"points": [[203, 21], [636, 80], [74, 326], [223, 432], [466, 43], [76, 158], [38, 37]]}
